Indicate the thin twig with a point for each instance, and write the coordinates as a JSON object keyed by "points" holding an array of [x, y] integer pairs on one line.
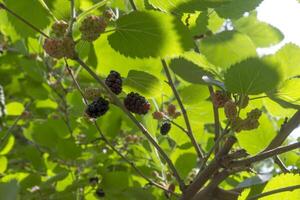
{"points": [[23, 20], [175, 124], [75, 82], [272, 192], [183, 111], [14, 124], [280, 164], [216, 118], [72, 18], [133, 4], [145, 132], [205, 159], [264, 155]]}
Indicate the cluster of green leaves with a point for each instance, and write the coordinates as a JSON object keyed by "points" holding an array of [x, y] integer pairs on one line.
{"points": [[53, 151]]}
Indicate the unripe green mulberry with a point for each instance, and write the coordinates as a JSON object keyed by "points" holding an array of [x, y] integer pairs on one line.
{"points": [[220, 98]]}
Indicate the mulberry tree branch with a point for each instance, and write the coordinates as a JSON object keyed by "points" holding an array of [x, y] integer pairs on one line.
{"points": [[23, 20], [145, 132], [103, 137], [183, 110], [264, 155], [269, 193], [216, 118], [285, 131]]}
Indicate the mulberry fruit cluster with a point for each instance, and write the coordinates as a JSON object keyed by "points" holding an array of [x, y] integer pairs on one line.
{"points": [[251, 122], [171, 112], [59, 28], [136, 103], [165, 128], [59, 48], [114, 82], [220, 98], [92, 27], [230, 110], [97, 108]]}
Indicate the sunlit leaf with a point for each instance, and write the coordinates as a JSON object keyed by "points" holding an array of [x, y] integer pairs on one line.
{"points": [[261, 33], [150, 35], [224, 49], [252, 76]]}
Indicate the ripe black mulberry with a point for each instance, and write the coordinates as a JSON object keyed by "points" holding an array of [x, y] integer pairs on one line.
{"points": [[114, 82], [136, 103]]}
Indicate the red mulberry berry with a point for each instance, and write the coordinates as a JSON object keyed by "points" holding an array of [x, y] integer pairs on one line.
{"points": [[254, 114], [92, 27], [136, 103], [158, 115], [69, 47], [250, 124], [230, 110], [53, 48], [171, 109], [59, 48], [165, 128], [97, 108], [59, 28], [114, 82], [220, 98], [237, 124]]}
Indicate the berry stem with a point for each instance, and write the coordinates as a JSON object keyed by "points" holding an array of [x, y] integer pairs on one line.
{"points": [[103, 137], [184, 113], [72, 18], [15, 123], [136, 122], [23, 20], [133, 5], [216, 118], [269, 193]]}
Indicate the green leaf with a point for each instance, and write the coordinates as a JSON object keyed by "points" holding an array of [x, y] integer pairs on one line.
{"points": [[236, 8], [9, 191], [143, 82], [7, 147], [289, 58], [181, 6], [193, 94], [256, 140], [40, 16], [14, 108], [116, 181], [149, 34], [261, 33], [252, 76], [224, 49], [185, 163], [280, 181], [137, 194], [188, 70], [3, 164], [287, 95]]}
